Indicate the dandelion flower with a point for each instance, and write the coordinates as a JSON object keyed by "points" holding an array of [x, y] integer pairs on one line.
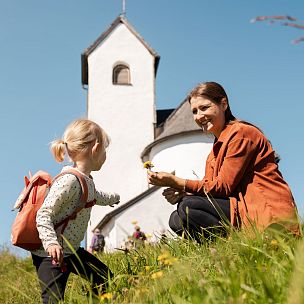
{"points": [[106, 296], [170, 261], [274, 243], [148, 165], [157, 275], [163, 256]]}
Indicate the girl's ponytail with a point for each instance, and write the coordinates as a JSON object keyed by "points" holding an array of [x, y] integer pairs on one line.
{"points": [[77, 139], [58, 148]]}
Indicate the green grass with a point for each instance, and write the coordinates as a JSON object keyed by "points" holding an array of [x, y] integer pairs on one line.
{"points": [[266, 268]]}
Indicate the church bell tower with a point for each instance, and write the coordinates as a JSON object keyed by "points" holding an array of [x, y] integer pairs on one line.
{"points": [[119, 71]]}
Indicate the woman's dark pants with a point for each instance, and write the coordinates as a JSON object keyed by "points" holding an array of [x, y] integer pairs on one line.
{"points": [[200, 218]]}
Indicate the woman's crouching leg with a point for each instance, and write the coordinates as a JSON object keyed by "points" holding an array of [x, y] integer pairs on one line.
{"points": [[200, 218]]}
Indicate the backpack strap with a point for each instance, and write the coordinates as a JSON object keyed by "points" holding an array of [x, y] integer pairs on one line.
{"points": [[81, 179], [83, 198]]}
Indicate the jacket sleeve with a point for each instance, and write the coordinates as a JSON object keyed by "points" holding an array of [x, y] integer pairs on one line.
{"points": [[238, 156], [63, 190], [106, 198]]}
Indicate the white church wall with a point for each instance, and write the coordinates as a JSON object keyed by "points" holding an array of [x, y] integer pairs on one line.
{"points": [[126, 112], [185, 154], [182, 154], [151, 214]]}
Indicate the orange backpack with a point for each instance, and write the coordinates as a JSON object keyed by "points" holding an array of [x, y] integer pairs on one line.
{"points": [[24, 232]]}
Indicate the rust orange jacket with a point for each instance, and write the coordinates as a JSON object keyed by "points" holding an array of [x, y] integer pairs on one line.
{"points": [[242, 166]]}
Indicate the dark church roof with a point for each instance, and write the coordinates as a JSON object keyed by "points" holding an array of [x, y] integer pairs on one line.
{"points": [[162, 115], [120, 19]]}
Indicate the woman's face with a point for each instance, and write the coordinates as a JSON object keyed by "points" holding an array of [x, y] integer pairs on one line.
{"points": [[209, 115]]}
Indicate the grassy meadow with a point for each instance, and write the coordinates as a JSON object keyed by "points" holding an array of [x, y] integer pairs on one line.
{"points": [[267, 268]]}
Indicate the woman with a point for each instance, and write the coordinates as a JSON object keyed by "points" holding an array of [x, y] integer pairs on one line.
{"points": [[242, 183]]}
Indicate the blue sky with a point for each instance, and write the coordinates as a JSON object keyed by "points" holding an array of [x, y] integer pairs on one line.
{"points": [[198, 40]]}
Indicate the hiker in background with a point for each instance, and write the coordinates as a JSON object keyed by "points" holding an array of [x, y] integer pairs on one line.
{"points": [[139, 236], [97, 243], [85, 143], [242, 185]]}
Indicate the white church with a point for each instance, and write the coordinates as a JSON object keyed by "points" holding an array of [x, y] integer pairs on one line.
{"points": [[119, 71]]}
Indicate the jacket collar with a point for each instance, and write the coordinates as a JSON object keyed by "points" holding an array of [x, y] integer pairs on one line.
{"points": [[223, 135]]}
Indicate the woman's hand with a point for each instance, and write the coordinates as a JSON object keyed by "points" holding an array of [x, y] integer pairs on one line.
{"points": [[162, 179], [56, 253], [173, 196]]}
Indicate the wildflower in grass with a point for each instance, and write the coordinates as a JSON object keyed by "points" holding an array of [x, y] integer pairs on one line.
{"points": [[106, 296], [166, 259], [125, 291], [148, 165], [170, 261], [274, 243], [163, 256], [147, 267], [157, 275]]}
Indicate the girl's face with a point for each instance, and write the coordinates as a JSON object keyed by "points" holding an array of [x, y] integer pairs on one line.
{"points": [[209, 115], [100, 156]]}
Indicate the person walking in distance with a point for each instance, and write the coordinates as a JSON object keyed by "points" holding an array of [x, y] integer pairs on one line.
{"points": [[97, 242]]}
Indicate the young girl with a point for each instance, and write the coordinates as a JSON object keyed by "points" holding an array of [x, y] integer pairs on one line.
{"points": [[84, 142]]}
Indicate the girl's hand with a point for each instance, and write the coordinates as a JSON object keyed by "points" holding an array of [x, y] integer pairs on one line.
{"points": [[56, 253], [113, 205], [173, 196]]}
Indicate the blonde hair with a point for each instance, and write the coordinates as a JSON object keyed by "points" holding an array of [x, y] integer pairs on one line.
{"points": [[77, 138]]}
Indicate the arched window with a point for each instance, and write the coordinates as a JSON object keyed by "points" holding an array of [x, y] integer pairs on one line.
{"points": [[121, 74]]}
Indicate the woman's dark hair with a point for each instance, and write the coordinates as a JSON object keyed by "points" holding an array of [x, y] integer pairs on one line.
{"points": [[216, 93]]}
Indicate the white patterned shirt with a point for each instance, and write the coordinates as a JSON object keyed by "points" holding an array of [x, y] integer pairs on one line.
{"points": [[61, 201]]}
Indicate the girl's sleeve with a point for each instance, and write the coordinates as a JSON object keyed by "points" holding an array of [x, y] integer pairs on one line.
{"points": [[63, 190], [106, 198], [239, 154]]}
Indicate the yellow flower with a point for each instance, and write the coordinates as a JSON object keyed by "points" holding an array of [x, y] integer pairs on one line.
{"points": [[170, 261], [148, 165], [157, 275], [163, 256], [147, 267], [274, 243], [106, 296]]}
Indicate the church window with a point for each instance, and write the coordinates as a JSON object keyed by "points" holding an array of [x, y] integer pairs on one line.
{"points": [[121, 74]]}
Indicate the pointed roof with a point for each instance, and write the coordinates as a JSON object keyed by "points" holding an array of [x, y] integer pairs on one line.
{"points": [[119, 20], [179, 122]]}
